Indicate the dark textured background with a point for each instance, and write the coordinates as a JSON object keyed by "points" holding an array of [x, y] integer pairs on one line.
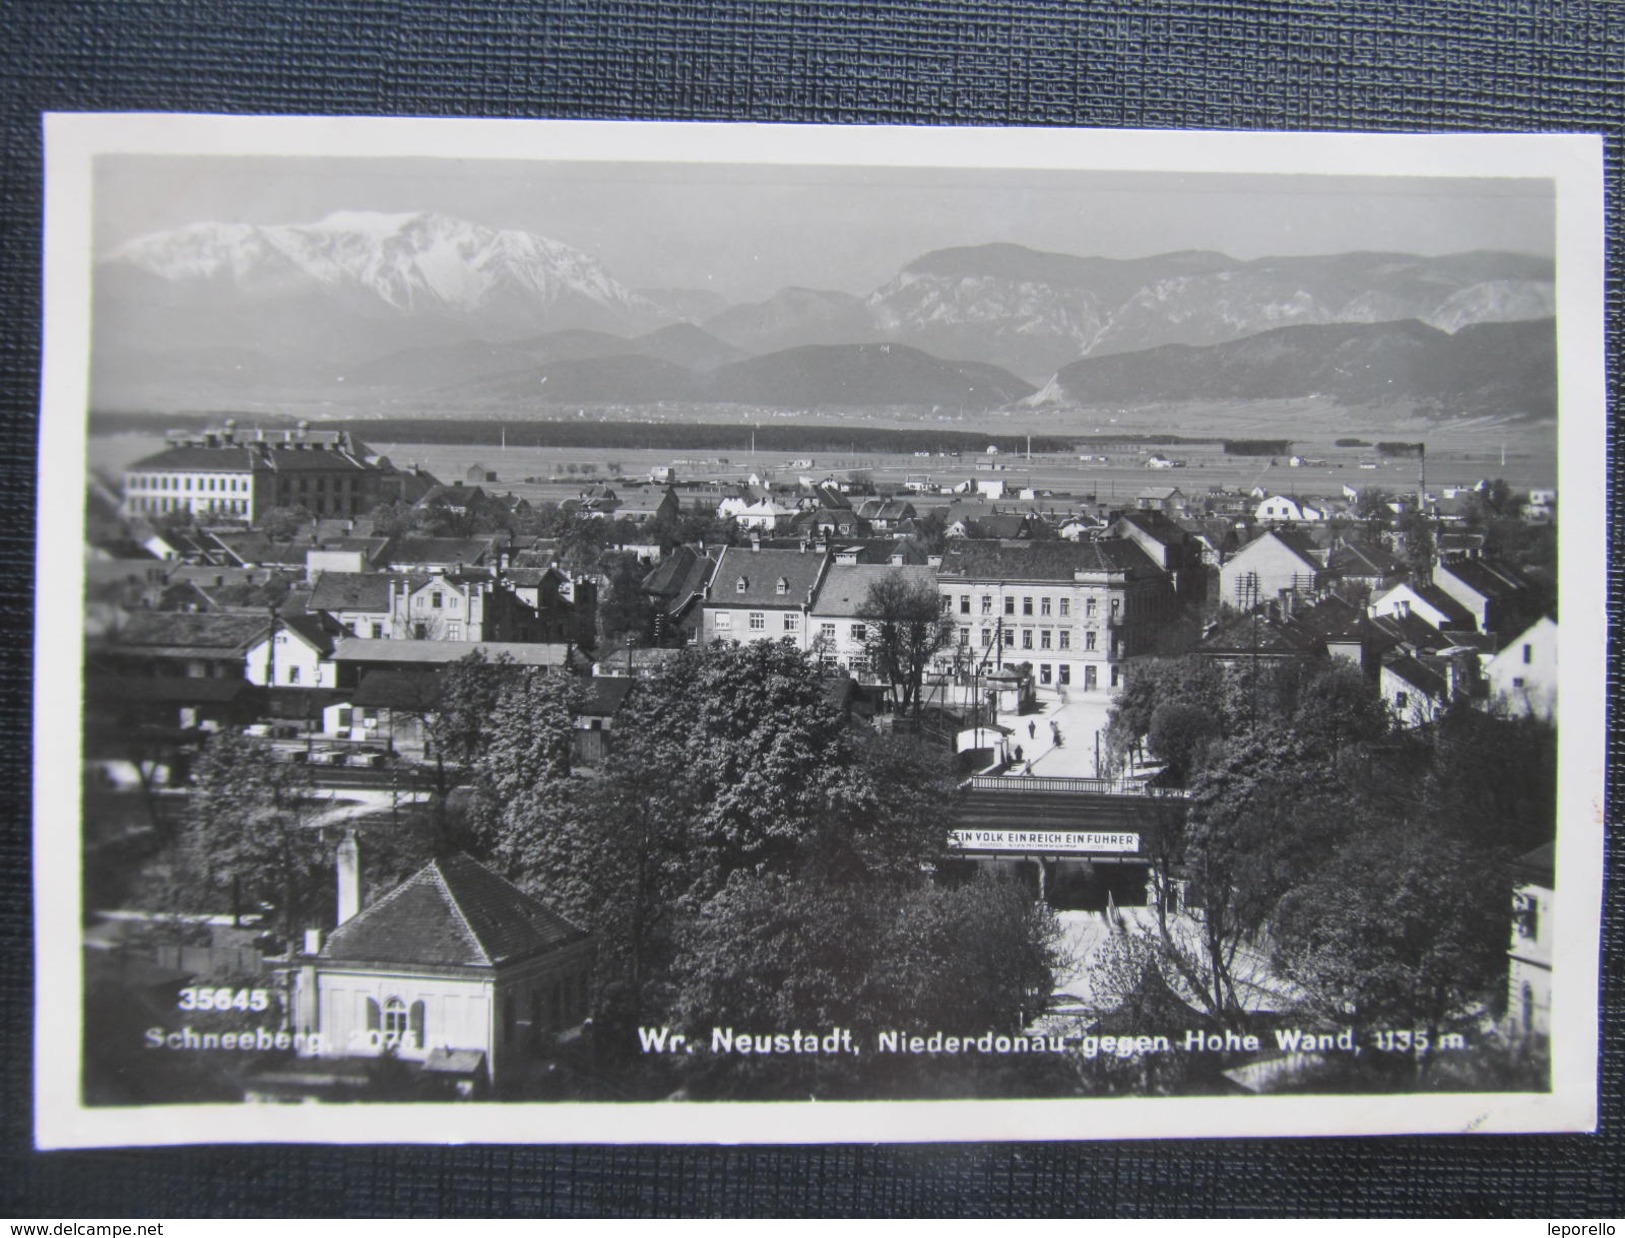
{"points": [[1242, 64]]}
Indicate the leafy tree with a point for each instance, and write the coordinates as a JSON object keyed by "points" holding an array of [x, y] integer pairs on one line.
{"points": [[624, 610], [1179, 735], [701, 528], [283, 524], [1260, 815], [181, 520], [1493, 779], [930, 533], [544, 520], [1496, 501], [1339, 706], [1420, 547], [581, 544], [1155, 683], [905, 627], [1372, 505], [523, 818], [1405, 926], [732, 761], [457, 716], [392, 519], [770, 953], [251, 835]]}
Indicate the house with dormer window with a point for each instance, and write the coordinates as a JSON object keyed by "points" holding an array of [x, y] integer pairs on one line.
{"points": [[761, 594]]}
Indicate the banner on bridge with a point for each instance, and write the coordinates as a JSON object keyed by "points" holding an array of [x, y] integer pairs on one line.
{"points": [[1081, 842]]}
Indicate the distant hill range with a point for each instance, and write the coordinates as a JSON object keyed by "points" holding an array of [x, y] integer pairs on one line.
{"points": [[1505, 368], [813, 376], [362, 308]]}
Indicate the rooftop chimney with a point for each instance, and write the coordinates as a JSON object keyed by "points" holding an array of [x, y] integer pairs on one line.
{"points": [[349, 871]]}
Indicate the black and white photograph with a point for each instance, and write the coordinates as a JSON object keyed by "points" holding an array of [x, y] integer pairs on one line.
{"points": [[666, 633]]}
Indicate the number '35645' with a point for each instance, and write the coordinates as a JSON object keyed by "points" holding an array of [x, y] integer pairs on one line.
{"points": [[225, 999]]}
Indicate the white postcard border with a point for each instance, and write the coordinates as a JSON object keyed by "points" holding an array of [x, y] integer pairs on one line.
{"points": [[1573, 162]]}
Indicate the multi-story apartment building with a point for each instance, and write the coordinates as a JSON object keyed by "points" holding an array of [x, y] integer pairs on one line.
{"points": [[1075, 610], [227, 474]]}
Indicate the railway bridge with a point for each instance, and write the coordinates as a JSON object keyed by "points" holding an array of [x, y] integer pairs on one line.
{"points": [[1081, 842]]}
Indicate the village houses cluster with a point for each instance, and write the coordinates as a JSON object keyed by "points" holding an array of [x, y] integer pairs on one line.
{"points": [[328, 639]]}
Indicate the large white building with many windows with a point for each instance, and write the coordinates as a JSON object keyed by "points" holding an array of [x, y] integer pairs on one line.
{"points": [[231, 475], [1075, 611]]}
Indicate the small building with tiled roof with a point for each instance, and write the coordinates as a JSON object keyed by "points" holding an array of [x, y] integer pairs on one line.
{"points": [[598, 701], [354, 655], [1428, 603], [1498, 595], [1416, 694], [294, 652], [1262, 637], [1365, 563], [455, 970], [364, 602], [442, 554]]}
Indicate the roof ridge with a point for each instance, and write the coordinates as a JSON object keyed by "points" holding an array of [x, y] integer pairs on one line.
{"points": [[373, 908], [457, 909]]}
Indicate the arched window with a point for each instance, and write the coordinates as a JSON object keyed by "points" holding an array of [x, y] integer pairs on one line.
{"points": [[395, 1026]]}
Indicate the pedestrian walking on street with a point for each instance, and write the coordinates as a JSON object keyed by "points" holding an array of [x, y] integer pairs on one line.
{"points": [[1032, 730], [1018, 754]]}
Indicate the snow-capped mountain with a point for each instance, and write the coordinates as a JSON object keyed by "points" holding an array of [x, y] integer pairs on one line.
{"points": [[496, 283]]}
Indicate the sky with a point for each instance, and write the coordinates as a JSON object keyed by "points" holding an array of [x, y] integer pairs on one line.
{"points": [[744, 231]]}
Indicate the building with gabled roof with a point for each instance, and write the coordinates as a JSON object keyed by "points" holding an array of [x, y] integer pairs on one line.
{"points": [[676, 587], [1366, 564], [1276, 562], [1428, 603], [1522, 677], [444, 554], [1262, 637], [1285, 509], [456, 971], [760, 594], [1416, 694], [837, 627], [1497, 594]]}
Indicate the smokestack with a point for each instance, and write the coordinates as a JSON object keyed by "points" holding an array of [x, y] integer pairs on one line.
{"points": [[349, 867]]}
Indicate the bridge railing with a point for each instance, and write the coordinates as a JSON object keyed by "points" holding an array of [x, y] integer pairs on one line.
{"points": [[1019, 784]]}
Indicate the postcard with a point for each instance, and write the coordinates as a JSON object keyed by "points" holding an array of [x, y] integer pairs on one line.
{"points": [[621, 633]]}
